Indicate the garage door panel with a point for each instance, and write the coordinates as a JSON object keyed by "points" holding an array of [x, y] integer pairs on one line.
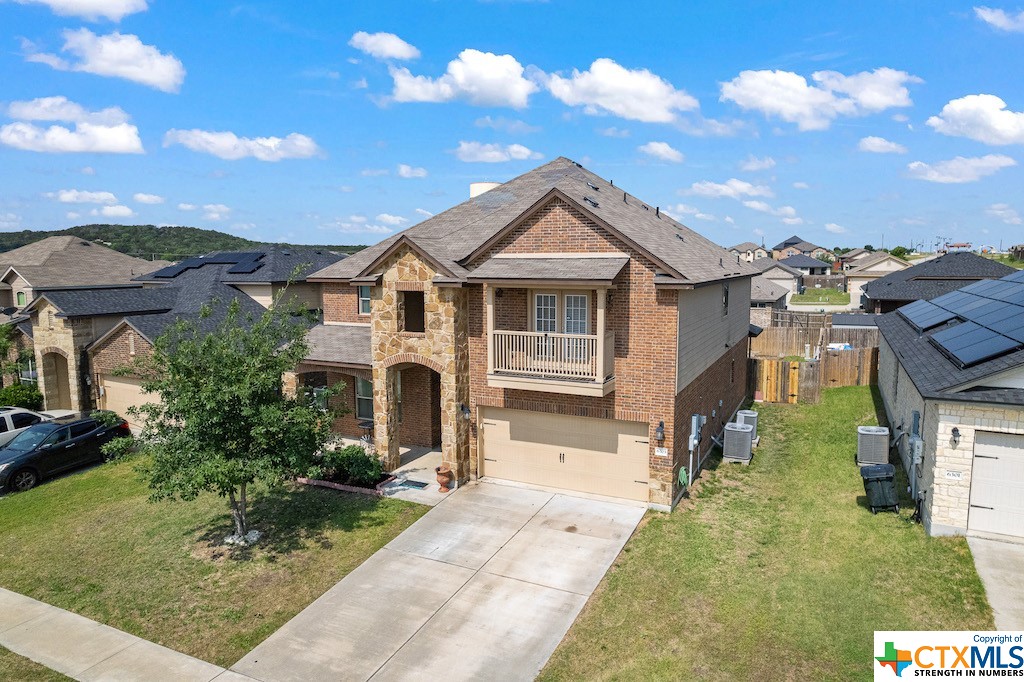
{"points": [[600, 456], [120, 393], [997, 484]]}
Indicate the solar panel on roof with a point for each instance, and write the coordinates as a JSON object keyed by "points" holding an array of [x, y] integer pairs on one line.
{"points": [[1011, 326], [985, 350], [1015, 277], [924, 315]]}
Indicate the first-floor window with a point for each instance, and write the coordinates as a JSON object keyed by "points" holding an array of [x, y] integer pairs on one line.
{"points": [[27, 371], [364, 399]]}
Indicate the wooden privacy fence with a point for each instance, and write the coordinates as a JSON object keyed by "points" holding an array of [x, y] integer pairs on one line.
{"points": [[778, 342], [796, 318], [783, 381]]}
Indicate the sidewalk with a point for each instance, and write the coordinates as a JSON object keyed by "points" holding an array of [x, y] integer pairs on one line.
{"points": [[89, 651]]}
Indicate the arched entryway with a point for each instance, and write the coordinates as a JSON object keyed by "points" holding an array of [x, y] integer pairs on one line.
{"points": [[57, 381], [415, 425]]}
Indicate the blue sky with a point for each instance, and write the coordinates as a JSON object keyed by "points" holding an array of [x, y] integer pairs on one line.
{"points": [[336, 122]]}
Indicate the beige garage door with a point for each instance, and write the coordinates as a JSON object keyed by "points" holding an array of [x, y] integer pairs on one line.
{"points": [[599, 456], [120, 393], [997, 484]]}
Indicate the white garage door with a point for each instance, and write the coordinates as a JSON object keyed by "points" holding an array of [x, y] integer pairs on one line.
{"points": [[600, 456], [120, 393], [997, 484]]}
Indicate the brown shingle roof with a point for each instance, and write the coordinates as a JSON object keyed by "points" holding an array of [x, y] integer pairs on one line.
{"points": [[71, 261], [556, 269], [453, 236]]}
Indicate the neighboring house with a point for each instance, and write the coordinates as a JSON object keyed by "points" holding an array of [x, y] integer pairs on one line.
{"points": [[83, 335], [951, 372], [795, 246], [765, 296], [1017, 252], [929, 279], [807, 265], [784, 276], [749, 251], [850, 259], [854, 321], [868, 269], [554, 330], [65, 261]]}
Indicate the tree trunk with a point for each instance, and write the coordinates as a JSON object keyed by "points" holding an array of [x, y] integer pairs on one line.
{"points": [[238, 511]]}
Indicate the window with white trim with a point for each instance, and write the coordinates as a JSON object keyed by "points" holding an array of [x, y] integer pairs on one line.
{"points": [[364, 300], [364, 399], [27, 371], [577, 312], [546, 313]]}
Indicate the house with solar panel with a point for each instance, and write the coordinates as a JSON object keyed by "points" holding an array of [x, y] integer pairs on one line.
{"points": [[83, 335], [951, 376]]}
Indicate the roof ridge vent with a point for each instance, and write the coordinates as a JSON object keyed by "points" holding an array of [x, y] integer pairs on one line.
{"points": [[680, 237]]}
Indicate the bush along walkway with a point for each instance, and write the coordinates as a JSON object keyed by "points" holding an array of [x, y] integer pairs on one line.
{"points": [[90, 650], [774, 571]]}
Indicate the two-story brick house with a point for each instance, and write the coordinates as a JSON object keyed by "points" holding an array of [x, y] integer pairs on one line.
{"points": [[554, 330]]}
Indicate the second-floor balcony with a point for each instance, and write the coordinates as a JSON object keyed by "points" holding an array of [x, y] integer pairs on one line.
{"points": [[561, 357]]}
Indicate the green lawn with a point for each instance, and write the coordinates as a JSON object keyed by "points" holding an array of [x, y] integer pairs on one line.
{"points": [[1007, 260], [821, 297], [92, 543], [15, 667], [775, 571]]}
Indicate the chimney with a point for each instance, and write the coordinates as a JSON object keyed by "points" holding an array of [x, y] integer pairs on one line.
{"points": [[478, 188]]}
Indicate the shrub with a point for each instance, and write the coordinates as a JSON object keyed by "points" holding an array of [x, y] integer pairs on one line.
{"points": [[353, 465], [22, 395]]}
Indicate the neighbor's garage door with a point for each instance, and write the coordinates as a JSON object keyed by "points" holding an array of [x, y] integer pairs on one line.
{"points": [[997, 484], [120, 393], [600, 456]]}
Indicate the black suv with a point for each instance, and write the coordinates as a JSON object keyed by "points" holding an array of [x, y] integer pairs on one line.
{"points": [[49, 448]]}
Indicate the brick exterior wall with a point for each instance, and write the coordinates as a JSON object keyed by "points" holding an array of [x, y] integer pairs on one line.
{"points": [[341, 303], [421, 407], [115, 351], [644, 321]]}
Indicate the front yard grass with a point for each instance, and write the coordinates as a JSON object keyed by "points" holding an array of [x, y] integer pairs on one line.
{"points": [[776, 571], [93, 544], [15, 667], [821, 297]]}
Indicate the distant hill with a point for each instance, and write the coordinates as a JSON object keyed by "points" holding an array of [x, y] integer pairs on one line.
{"points": [[152, 242]]}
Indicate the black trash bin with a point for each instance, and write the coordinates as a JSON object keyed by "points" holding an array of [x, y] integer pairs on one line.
{"points": [[880, 486]]}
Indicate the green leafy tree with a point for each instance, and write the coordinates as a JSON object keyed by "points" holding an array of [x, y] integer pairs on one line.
{"points": [[899, 252], [222, 421]]}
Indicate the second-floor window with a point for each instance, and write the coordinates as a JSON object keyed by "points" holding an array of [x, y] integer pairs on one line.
{"points": [[21, 299], [364, 300], [561, 312], [412, 316]]}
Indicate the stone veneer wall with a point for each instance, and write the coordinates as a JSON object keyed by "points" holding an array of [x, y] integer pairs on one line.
{"points": [[66, 337], [643, 318], [442, 347]]}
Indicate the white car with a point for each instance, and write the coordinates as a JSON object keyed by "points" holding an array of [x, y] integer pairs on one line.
{"points": [[14, 419]]}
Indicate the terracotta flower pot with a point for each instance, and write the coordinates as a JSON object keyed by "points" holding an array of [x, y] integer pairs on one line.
{"points": [[444, 477]]}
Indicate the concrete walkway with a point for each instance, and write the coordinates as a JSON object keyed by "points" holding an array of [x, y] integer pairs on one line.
{"points": [[1001, 567], [482, 587], [86, 650]]}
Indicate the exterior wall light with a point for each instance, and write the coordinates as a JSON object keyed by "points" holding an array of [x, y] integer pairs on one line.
{"points": [[464, 412], [956, 436], [659, 433]]}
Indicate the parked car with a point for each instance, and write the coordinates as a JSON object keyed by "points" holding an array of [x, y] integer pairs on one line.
{"points": [[13, 420], [52, 447]]}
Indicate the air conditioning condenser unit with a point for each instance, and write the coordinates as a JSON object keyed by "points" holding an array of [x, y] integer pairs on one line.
{"points": [[872, 445], [736, 446]]}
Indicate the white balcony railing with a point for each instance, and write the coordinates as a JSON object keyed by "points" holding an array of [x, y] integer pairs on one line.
{"points": [[558, 356]]}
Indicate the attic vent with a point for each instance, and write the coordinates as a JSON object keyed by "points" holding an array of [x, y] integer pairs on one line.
{"points": [[590, 201], [646, 207], [680, 237], [286, 253], [593, 187]]}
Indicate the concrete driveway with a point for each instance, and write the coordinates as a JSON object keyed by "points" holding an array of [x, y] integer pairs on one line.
{"points": [[1001, 567], [484, 586]]}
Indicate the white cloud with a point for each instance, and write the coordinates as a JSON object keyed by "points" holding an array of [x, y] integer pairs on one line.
{"points": [[787, 213], [77, 196], [117, 55], [187, 207], [72, 215], [732, 189], [424, 212], [227, 145], [358, 228], [900, 118], [346, 189], [243, 227], [113, 212], [383, 46], [635, 94], [407, 171], [9, 221], [788, 95], [880, 145], [389, 219], [662, 150], [835, 229], [478, 152], [959, 169], [506, 125], [88, 170], [801, 185], [984, 118], [358, 218], [373, 172], [60, 108], [92, 10], [215, 212], [685, 209], [752, 163], [1001, 20], [480, 78], [143, 198], [729, 220], [612, 131], [1005, 213]]}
